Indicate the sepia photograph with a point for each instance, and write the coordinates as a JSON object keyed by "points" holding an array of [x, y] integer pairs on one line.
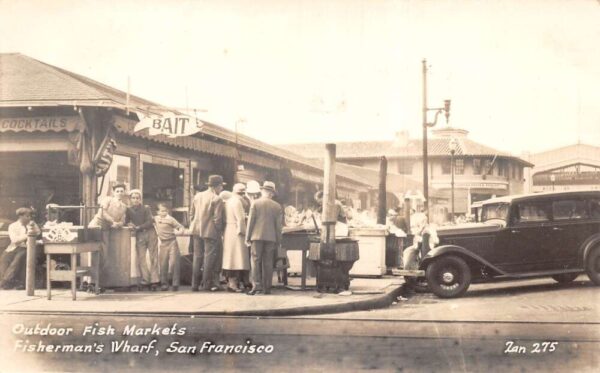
{"points": [[299, 186]]}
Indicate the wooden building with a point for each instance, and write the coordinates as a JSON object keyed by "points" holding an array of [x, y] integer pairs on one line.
{"points": [[58, 131]]}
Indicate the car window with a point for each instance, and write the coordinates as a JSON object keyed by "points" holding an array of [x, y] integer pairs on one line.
{"points": [[532, 212], [569, 210], [595, 208], [494, 211]]}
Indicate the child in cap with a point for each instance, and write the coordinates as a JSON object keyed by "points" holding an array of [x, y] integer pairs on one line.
{"points": [[169, 257]]}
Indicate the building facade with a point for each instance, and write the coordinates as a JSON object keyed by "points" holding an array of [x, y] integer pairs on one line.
{"points": [[572, 167], [480, 172]]}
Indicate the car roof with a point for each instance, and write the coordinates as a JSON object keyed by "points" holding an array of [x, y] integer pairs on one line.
{"points": [[532, 196]]}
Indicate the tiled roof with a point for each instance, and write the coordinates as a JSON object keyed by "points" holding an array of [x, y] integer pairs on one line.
{"points": [[25, 81], [389, 149]]}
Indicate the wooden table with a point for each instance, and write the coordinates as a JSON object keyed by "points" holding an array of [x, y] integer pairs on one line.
{"points": [[297, 240], [73, 249]]}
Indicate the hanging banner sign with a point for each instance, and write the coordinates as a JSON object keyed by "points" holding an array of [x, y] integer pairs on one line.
{"points": [[171, 126], [41, 124]]}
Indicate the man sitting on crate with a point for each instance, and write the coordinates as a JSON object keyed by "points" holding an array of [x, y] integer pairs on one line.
{"points": [[13, 260], [424, 234]]}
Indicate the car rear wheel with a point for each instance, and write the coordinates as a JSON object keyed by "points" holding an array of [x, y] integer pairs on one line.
{"points": [[592, 265], [565, 278], [448, 277]]}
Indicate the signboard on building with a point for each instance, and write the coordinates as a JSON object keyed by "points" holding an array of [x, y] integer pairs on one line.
{"points": [[170, 126], [41, 124]]}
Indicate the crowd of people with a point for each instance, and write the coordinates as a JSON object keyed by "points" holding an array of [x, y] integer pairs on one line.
{"points": [[235, 235]]}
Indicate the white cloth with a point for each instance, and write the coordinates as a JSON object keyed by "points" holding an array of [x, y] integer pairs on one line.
{"points": [[17, 233]]}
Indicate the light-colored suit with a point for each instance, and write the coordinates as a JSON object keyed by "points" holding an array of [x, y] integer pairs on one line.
{"points": [[264, 232], [235, 251], [207, 215], [207, 229]]}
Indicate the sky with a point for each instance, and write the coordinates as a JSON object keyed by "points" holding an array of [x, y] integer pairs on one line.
{"points": [[523, 75]]}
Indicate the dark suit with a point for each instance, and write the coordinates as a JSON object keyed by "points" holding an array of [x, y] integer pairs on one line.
{"points": [[207, 229], [264, 232]]}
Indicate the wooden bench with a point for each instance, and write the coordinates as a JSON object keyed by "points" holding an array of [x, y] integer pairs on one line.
{"points": [[73, 249]]}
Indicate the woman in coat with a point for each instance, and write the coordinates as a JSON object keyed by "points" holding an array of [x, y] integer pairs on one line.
{"points": [[235, 252]]}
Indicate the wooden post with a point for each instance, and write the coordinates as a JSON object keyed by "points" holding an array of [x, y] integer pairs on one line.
{"points": [[32, 233], [407, 208], [381, 199], [329, 216]]}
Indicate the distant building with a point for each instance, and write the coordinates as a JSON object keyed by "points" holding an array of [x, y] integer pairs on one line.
{"points": [[572, 167], [481, 172]]}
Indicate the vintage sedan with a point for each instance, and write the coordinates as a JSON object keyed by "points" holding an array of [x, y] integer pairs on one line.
{"points": [[546, 234]]}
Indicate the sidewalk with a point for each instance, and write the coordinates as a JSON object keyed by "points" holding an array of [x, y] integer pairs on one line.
{"points": [[366, 294]]}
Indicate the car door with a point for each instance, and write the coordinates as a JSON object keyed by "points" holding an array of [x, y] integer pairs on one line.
{"points": [[523, 245], [571, 226]]}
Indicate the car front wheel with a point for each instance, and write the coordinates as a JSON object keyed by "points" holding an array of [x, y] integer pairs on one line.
{"points": [[592, 265], [448, 277], [565, 278]]}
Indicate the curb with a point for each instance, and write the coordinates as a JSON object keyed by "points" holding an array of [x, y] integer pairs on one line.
{"points": [[380, 301]]}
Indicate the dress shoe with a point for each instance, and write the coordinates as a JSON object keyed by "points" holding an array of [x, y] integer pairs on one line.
{"points": [[164, 287], [174, 288], [20, 287], [214, 288], [253, 292]]}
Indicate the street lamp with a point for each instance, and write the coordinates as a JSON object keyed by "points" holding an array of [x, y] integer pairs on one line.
{"points": [[452, 145], [426, 124]]}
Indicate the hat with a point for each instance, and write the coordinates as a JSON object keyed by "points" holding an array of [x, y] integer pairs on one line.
{"points": [[215, 180], [225, 195], [270, 186], [252, 187], [239, 188]]}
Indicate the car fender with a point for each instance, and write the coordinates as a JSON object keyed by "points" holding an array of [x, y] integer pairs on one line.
{"points": [[587, 247], [454, 249]]}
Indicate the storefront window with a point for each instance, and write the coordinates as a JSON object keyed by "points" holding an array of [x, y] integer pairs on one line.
{"points": [[34, 179], [163, 184], [459, 166], [476, 166], [120, 171], [446, 167]]}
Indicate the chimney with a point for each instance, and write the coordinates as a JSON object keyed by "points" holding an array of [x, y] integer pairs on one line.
{"points": [[401, 140]]}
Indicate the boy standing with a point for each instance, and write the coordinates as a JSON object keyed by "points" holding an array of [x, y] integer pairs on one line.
{"points": [[139, 218], [166, 227]]}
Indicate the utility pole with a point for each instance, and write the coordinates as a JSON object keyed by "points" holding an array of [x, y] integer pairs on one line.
{"points": [[426, 125], [425, 159]]}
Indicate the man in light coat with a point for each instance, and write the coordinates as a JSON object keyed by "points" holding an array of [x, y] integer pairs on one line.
{"points": [[264, 235], [207, 231]]}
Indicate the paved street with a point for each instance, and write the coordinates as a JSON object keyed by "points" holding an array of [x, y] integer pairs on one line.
{"points": [[393, 339]]}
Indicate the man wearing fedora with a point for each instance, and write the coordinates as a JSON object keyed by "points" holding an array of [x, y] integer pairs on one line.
{"points": [[207, 231], [264, 235]]}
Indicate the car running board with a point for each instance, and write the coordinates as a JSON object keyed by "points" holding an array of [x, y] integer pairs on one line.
{"points": [[540, 274], [408, 272]]}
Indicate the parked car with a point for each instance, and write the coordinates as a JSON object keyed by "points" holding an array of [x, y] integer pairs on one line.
{"points": [[528, 236]]}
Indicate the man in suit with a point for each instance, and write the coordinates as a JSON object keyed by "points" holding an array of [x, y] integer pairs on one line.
{"points": [[264, 235], [207, 231]]}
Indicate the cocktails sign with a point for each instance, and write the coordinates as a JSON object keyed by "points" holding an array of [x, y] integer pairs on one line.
{"points": [[171, 126]]}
